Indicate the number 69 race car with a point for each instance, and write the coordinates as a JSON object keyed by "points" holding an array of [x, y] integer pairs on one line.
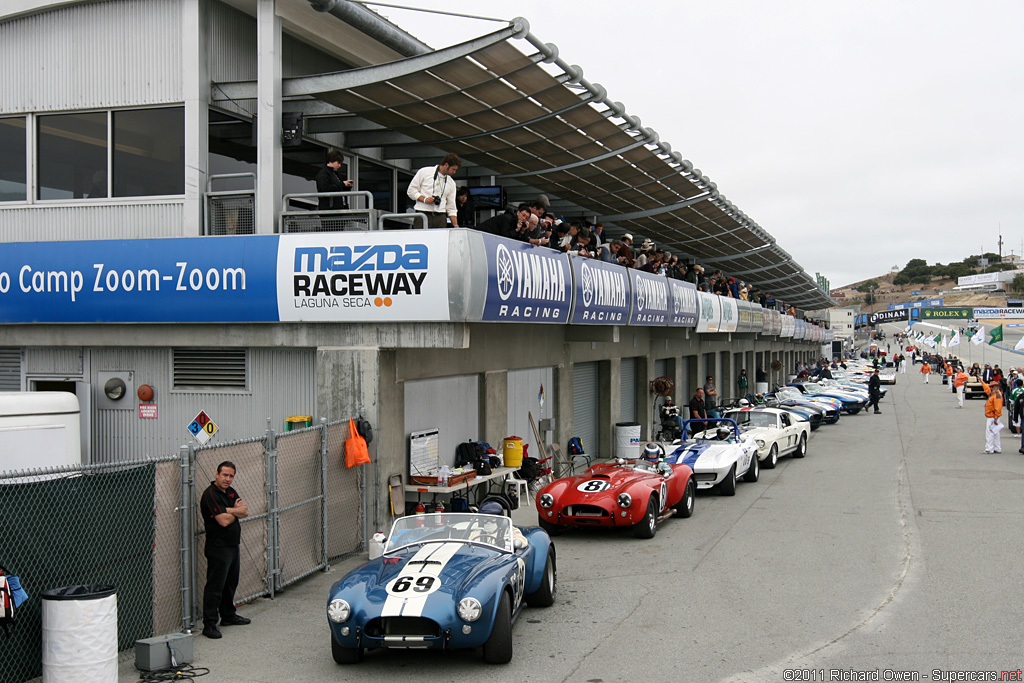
{"points": [[621, 493], [445, 580]]}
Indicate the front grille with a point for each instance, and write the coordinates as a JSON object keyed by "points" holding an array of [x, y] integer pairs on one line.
{"points": [[402, 626], [584, 511], [705, 476]]}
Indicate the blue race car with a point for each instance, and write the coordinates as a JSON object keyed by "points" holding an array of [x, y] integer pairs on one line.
{"points": [[445, 580]]}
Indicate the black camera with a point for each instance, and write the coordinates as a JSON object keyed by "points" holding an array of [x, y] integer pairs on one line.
{"points": [[437, 201]]}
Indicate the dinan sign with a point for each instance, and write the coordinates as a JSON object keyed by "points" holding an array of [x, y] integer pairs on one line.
{"points": [[889, 316]]}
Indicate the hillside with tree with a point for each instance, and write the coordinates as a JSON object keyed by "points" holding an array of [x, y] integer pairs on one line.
{"points": [[918, 281]]}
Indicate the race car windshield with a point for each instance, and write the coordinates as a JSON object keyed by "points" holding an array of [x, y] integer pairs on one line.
{"points": [[788, 393], [490, 530], [753, 418]]}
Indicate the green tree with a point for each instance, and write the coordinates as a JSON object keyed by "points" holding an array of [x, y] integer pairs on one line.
{"points": [[1017, 285], [868, 288]]}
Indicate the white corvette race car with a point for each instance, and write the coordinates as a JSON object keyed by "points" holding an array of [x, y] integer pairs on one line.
{"points": [[776, 432], [718, 456]]}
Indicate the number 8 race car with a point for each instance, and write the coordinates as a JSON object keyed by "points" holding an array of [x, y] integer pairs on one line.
{"points": [[445, 580], [621, 493]]}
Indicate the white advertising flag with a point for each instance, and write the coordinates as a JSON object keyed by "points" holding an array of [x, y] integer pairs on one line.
{"points": [[979, 336], [955, 341]]}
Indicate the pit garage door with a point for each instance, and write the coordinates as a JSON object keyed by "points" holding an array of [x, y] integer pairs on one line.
{"points": [[529, 391], [449, 404], [627, 375], [584, 405]]}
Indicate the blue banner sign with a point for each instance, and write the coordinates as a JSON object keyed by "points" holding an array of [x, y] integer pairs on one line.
{"points": [[650, 298], [929, 303], [602, 292], [201, 279], [525, 283], [684, 303]]}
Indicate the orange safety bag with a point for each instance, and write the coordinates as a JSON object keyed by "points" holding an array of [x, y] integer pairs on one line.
{"points": [[355, 447]]}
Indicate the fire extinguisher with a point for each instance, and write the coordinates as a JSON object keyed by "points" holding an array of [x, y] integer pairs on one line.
{"points": [[420, 509], [439, 507]]}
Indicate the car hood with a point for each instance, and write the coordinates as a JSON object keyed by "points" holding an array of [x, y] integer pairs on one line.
{"points": [[457, 566], [619, 478], [704, 456]]}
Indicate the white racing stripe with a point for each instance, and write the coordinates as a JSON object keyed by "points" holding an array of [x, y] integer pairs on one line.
{"points": [[438, 554]]}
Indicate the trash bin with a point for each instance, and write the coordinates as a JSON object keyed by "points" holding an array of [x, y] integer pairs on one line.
{"points": [[627, 440], [80, 634], [512, 452], [761, 387]]}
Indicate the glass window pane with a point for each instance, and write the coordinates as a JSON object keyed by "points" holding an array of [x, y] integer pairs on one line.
{"points": [[149, 152], [13, 185], [378, 180], [13, 181], [72, 156]]}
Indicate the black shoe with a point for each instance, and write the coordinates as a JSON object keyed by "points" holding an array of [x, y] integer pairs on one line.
{"points": [[878, 412], [1021, 451], [235, 620], [211, 631]]}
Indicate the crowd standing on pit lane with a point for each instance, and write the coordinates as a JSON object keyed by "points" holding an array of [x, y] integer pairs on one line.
{"points": [[1004, 390], [534, 222]]}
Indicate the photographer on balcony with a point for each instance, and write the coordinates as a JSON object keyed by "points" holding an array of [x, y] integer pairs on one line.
{"points": [[433, 190]]}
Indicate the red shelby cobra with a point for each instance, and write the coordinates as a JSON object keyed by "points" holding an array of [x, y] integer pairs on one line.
{"points": [[619, 493]]}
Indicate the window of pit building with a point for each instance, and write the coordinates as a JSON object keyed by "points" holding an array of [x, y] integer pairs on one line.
{"points": [[13, 177], [210, 369], [75, 159], [149, 152]]}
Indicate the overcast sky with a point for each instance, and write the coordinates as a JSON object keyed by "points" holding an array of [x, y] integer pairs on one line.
{"points": [[859, 134]]}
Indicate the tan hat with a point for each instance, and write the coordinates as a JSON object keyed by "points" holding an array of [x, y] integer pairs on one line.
{"points": [[627, 236], [647, 245]]}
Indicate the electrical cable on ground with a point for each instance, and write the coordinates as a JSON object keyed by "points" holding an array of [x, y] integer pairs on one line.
{"points": [[178, 673]]}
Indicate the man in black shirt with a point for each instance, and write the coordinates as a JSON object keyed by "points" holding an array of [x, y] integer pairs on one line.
{"points": [[221, 509], [330, 179], [697, 410], [874, 391]]}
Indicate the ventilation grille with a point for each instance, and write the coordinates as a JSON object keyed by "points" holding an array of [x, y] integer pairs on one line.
{"points": [[10, 369], [210, 369]]}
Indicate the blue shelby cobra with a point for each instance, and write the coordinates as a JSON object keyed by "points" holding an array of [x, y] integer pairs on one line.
{"points": [[445, 580]]}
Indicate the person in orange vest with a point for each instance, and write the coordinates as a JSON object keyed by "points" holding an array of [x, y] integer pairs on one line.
{"points": [[926, 369], [993, 411], [959, 383]]}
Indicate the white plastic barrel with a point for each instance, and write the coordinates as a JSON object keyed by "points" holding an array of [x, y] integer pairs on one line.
{"points": [[377, 545], [627, 440], [80, 634], [761, 387]]}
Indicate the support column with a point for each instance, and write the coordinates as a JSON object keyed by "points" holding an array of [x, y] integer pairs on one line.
{"points": [[494, 406], [195, 77], [268, 119]]}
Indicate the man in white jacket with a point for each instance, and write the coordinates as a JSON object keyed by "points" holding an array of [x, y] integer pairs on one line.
{"points": [[433, 190]]}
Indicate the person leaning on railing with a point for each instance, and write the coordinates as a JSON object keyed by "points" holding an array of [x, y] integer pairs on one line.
{"points": [[433, 190]]}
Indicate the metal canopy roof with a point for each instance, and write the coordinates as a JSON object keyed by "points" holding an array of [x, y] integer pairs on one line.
{"points": [[532, 117]]}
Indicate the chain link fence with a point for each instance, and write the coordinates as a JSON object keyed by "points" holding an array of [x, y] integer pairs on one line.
{"points": [[123, 525]]}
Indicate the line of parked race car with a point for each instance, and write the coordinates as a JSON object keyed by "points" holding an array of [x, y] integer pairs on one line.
{"points": [[460, 580]]}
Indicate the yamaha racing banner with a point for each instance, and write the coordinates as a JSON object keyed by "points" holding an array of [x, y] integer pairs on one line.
{"points": [[602, 292], [650, 298], [526, 284], [684, 303]]}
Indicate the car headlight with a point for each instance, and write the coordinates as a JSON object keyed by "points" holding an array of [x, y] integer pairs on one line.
{"points": [[760, 443], [338, 611], [470, 609], [625, 500], [546, 500]]}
